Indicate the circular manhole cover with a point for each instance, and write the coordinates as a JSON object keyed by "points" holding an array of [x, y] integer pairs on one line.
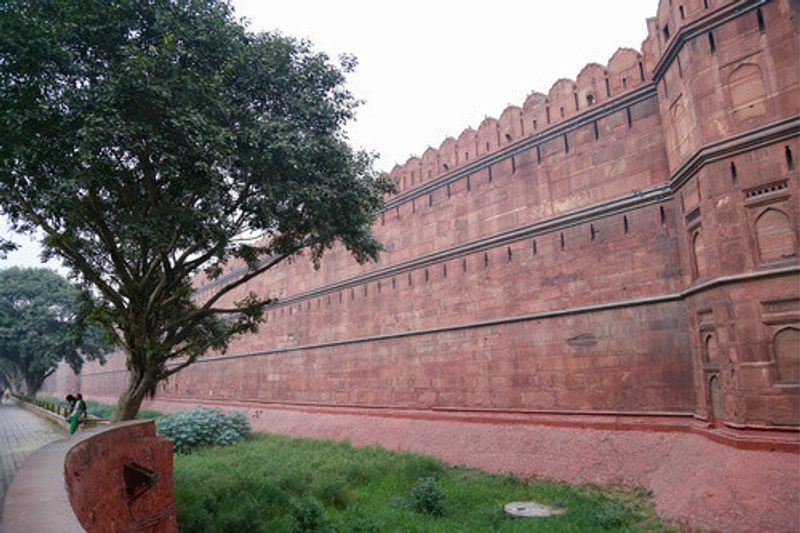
{"points": [[530, 510]]}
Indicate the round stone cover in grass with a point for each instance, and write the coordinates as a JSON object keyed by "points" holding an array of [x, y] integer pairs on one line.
{"points": [[530, 510]]}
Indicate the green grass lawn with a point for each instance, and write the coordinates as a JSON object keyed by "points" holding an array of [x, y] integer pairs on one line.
{"points": [[272, 483]]}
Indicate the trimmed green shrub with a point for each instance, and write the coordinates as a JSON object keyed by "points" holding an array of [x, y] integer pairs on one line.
{"points": [[333, 490], [149, 414], [309, 514], [365, 526], [99, 410], [203, 427], [428, 498]]}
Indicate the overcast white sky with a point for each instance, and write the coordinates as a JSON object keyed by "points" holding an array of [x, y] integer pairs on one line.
{"points": [[428, 69]]}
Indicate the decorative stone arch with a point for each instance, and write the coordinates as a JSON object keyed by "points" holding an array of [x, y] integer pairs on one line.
{"points": [[747, 91], [716, 400], [699, 256], [710, 348], [774, 235], [786, 352], [682, 124]]}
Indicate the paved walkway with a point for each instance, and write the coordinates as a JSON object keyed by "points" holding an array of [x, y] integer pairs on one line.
{"points": [[21, 433]]}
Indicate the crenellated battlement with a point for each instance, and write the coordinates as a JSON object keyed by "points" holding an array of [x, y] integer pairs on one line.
{"points": [[676, 24], [594, 86]]}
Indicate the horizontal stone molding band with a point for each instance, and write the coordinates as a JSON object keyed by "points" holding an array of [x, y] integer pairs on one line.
{"points": [[700, 26], [621, 205], [781, 130], [734, 144], [739, 436], [416, 412], [706, 285], [749, 140], [584, 119]]}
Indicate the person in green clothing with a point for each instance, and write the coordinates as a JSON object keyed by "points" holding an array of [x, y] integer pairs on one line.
{"points": [[78, 413]]}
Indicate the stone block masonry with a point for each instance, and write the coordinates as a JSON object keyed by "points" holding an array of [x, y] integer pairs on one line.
{"points": [[627, 242], [625, 245]]}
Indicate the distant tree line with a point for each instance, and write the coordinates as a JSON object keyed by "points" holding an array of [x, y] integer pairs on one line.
{"points": [[41, 325]]}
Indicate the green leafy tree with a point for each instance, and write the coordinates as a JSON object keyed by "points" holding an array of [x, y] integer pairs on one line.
{"points": [[40, 326], [154, 140], [10, 376]]}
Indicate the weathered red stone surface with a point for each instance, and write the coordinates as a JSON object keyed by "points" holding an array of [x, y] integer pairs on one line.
{"points": [[93, 471], [625, 243], [77, 484], [696, 481]]}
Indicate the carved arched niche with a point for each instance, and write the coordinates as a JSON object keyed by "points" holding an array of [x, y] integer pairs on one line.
{"points": [[748, 94], [681, 126], [786, 351], [774, 235], [711, 349], [716, 398], [699, 260]]}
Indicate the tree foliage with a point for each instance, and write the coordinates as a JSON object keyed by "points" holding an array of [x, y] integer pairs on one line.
{"points": [[40, 327], [154, 140]]}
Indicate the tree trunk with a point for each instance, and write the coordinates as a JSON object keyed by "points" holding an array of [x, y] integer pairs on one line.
{"points": [[12, 378], [33, 384], [130, 400], [30, 387]]}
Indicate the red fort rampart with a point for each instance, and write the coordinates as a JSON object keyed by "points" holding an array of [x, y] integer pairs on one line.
{"points": [[618, 253]]}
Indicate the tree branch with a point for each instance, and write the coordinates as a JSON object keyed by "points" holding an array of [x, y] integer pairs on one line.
{"points": [[77, 258], [191, 359], [120, 266]]}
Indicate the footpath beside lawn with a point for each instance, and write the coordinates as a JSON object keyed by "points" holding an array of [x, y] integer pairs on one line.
{"points": [[21, 434]]}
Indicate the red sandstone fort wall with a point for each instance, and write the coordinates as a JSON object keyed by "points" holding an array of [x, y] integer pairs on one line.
{"points": [[62, 382], [624, 360], [627, 242]]}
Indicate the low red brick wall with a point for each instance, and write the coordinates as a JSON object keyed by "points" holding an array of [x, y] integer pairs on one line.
{"points": [[78, 484], [89, 421]]}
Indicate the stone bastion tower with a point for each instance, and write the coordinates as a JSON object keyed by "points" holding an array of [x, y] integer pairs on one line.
{"points": [[619, 252]]}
